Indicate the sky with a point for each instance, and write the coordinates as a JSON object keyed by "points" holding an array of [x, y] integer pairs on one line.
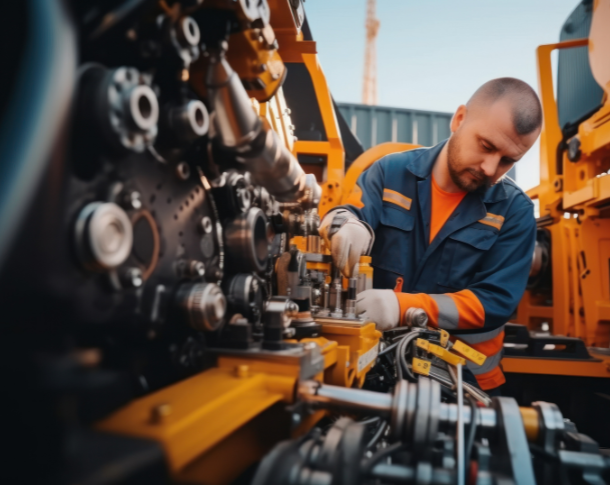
{"points": [[433, 54]]}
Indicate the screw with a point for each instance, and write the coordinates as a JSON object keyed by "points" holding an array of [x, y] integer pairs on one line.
{"points": [[296, 419], [197, 268], [133, 200], [160, 412], [292, 309], [205, 226], [132, 277], [242, 371], [183, 171]]}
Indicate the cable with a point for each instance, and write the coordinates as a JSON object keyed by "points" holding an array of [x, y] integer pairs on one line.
{"points": [[472, 430], [461, 475], [368, 465], [389, 348], [370, 420], [397, 363], [401, 361], [469, 388], [401, 354], [378, 434]]}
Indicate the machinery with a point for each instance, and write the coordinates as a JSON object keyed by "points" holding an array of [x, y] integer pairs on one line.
{"points": [[566, 359], [170, 313], [572, 195]]}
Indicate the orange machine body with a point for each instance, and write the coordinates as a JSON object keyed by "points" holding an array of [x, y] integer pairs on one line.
{"points": [[573, 198]]}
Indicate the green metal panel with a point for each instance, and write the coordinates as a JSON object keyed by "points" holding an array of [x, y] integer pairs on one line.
{"points": [[373, 125]]}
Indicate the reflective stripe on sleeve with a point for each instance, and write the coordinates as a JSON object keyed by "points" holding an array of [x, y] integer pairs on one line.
{"points": [[477, 338], [396, 198], [493, 220], [448, 315], [490, 363]]}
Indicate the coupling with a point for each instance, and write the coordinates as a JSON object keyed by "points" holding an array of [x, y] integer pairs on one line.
{"points": [[103, 236], [203, 304], [120, 106]]}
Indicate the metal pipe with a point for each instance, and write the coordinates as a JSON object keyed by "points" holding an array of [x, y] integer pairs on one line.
{"points": [[392, 473], [350, 302], [460, 430], [326, 396], [252, 138], [404, 474], [448, 416]]}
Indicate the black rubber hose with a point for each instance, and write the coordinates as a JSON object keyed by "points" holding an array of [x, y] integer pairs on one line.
{"points": [[368, 465], [403, 347], [378, 434], [403, 359], [397, 362]]}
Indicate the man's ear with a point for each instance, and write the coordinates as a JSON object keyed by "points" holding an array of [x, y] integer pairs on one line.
{"points": [[458, 118]]}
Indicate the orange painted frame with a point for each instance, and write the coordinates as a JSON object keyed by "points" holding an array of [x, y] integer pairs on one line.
{"points": [[367, 159]]}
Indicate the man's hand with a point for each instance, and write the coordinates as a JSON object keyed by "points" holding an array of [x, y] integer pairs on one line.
{"points": [[379, 306], [349, 239]]}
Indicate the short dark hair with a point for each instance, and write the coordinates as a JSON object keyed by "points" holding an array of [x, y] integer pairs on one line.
{"points": [[527, 111]]}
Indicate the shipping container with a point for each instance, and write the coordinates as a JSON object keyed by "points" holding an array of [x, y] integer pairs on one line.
{"points": [[373, 125]]}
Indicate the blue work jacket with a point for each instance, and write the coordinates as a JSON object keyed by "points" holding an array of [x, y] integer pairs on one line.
{"points": [[485, 246]]}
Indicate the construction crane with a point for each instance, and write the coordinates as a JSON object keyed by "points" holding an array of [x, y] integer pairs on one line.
{"points": [[369, 86]]}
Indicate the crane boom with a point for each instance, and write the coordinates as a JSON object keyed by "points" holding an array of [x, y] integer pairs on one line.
{"points": [[369, 86]]}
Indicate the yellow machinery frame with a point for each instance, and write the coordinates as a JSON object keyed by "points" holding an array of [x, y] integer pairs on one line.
{"points": [[214, 425], [570, 204], [294, 49]]}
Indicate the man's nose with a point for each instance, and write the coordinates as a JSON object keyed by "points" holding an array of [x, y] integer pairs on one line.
{"points": [[490, 165]]}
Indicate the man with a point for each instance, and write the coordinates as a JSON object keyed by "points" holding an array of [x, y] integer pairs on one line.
{"points": [[447, 232]]}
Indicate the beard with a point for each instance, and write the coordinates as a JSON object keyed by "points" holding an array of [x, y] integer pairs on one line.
{"points": [[460, 173]]}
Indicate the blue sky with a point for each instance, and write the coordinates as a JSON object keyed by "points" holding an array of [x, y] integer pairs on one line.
{"points": [[433, 54]]}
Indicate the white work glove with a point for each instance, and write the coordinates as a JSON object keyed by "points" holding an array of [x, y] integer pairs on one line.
{"points": [[349, 238], [379, 306]]}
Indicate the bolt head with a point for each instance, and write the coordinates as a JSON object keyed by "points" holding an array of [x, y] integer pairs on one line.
{"points": [[183, 171], [197, 268], [205, 225], [134, 200], [242, 371], [133, 278], [160, 412]]}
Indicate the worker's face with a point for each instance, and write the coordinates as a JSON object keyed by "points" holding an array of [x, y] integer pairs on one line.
{"points": [[484, 145]]}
